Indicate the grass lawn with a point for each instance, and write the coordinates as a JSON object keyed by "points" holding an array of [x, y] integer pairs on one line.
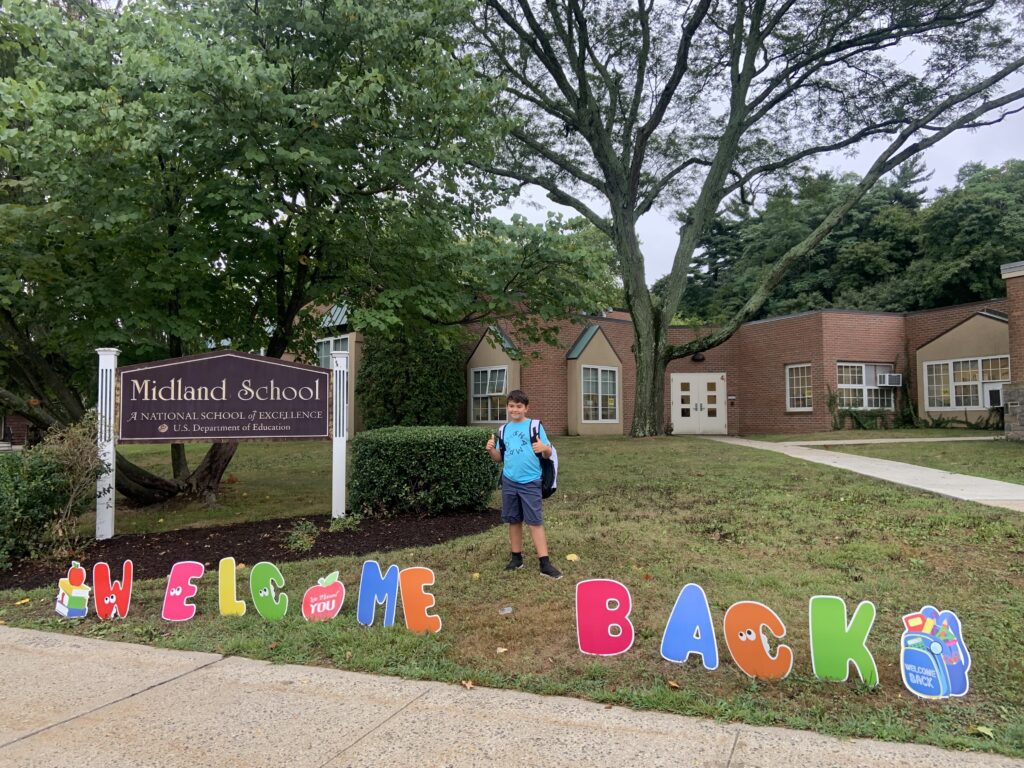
{"points": [[997, 460], [874, 434], [285, 479], [654, 514]]}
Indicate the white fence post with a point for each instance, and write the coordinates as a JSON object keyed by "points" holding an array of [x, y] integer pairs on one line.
{"points": [[339, 443], [105, 441]]}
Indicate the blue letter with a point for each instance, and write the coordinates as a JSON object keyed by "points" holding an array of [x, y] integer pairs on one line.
{"points": [[376, 588], [689, 629]]}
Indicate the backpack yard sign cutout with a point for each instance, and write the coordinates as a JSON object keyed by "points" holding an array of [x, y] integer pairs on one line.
{"points": [[218, 396]]}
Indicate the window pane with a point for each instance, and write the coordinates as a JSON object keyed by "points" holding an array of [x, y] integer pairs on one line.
{"points": [[965, 370], [995, 369], [479, 382], [880, 398], [798, 385], [850, 375], [966, 395], [937, 380], [712, 386], [851, 398]]}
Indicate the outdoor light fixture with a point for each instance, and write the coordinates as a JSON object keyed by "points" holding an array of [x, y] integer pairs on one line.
{"points": [[698, 357]]}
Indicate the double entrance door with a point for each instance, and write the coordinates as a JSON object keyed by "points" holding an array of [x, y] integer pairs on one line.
{"points": [[699, 404]]}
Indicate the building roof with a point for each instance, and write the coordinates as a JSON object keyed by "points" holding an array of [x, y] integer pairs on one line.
{"points": [[335, 316], [581, 343], [502, 337]]}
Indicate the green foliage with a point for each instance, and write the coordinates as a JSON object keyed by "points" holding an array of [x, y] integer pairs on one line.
{"points": [[893, 252], [43, 491], [407, 381], [420, 470], [302, 536], [32, 489]]}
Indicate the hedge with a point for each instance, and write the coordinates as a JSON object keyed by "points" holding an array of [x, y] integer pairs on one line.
{"points": [[32, 491], [420, 470]]}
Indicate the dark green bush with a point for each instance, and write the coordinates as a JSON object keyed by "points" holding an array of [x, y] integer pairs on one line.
{"points": [[410, 470], [43, 491], [32, 491], [411, 382]]}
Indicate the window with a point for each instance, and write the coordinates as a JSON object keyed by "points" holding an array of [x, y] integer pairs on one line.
{"points": [[600, 394], [798, 387], [324, 347], [858, 386], [490, 391], [973, 383]]}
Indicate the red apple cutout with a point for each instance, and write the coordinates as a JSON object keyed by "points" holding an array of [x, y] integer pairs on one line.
{"points": [[323, 601], [76, 574]]}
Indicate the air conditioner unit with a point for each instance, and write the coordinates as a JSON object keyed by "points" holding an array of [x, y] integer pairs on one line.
{"points": [[890, 379]]}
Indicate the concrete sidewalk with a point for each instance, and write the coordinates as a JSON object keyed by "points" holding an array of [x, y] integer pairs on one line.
{"points": [[994, 493], [72, 701]]}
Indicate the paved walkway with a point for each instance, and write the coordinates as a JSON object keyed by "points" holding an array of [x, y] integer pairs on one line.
{"points": [[994, 493], [84, 703]]}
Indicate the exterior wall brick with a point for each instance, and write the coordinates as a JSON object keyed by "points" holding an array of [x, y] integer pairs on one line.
{"points": [[1013, 394], [18, 426], [754, 361]]}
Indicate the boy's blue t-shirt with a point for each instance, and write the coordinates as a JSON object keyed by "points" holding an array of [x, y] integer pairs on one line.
{"points": [[521, 463]]}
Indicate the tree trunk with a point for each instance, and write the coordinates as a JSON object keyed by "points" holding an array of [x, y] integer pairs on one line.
{"points": [[649, 407], [144, 488], [649, 342], [179, 462], [205, 481]]}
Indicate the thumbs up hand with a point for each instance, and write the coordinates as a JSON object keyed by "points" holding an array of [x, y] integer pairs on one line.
{"points": [[490, 443]]}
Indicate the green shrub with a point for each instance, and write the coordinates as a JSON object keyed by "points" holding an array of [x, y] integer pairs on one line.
{"points": [[411, 382], [302, 536], [32, 490], [43, 490], [431, 470]]}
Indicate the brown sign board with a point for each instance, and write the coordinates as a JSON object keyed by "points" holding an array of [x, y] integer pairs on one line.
{"points": [[222, 395]]}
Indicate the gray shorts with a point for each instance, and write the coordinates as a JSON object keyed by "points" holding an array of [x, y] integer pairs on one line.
{"points": [[521, 502]]}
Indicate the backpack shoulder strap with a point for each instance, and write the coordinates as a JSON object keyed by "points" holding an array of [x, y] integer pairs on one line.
{"points": [[501, 439]]}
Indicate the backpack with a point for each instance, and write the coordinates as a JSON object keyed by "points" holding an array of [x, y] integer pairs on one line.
{"points": [[548, 467]]}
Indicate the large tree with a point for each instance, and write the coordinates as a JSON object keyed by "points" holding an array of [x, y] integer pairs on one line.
{"points": [[688, 104], [179, 176]]}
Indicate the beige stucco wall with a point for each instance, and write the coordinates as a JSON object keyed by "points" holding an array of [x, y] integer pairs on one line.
{"points": [[597, 352], [487, 356], [979, 336]]}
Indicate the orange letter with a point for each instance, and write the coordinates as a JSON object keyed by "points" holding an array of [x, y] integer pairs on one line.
{"points": [[416, 601], [745, 625]]}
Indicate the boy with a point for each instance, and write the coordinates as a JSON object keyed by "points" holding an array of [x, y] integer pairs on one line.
{"points": [[520, 483]]}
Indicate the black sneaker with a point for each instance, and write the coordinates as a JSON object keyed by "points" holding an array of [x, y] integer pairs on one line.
{"points": [[547, 569], [515, 563]]}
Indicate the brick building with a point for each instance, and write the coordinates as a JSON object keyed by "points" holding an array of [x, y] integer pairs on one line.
{"points": [[799, 373]]}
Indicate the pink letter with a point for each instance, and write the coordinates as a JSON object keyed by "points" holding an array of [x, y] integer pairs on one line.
{"points": [[601, 606], [180, 590]]}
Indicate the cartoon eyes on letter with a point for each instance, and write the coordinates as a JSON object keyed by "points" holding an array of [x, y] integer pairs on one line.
{"points": [[746, 634], [109, 600], [264, 592], [175, 591]]}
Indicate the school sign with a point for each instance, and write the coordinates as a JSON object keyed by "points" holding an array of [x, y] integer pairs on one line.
{"points": [[218, 396], [223, 395]]}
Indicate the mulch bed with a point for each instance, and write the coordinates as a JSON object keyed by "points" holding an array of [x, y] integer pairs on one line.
{"points": [[153, 554]]}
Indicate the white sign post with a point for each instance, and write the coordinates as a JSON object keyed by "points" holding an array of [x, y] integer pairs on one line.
{"points": [[339, 443], [105, 442]]}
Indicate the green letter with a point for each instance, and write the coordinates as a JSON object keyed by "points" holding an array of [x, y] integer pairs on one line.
{"points": [[263, 580], [834, 643]]}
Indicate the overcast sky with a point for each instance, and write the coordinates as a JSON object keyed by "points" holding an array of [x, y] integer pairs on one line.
{"points": [[990, 145]]}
